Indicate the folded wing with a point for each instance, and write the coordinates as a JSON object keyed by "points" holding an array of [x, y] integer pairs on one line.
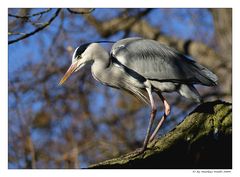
{"points": [[156, 61]]}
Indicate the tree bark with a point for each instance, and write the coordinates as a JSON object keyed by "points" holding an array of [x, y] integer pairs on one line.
{"points": [[203, 140]]}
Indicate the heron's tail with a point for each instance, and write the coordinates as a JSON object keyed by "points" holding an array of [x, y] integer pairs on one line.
{"points": [[202, 75], [205, 76]]}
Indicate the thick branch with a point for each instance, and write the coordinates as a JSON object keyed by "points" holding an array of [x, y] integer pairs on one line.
{"points": [[108, 28], [80, 12], [202, 140]]}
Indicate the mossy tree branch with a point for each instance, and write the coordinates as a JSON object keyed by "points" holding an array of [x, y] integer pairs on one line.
{"points": [[202, 140]]}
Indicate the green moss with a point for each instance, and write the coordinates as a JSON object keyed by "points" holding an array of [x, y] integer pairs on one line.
{"points": [[207, 119]]}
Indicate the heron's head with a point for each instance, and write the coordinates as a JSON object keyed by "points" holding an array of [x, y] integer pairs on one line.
{"points": [[80, 58]]}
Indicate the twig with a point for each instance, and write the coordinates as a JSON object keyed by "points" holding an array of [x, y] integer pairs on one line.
{"points": [[36, 30], [16, 33], [31, 15]]}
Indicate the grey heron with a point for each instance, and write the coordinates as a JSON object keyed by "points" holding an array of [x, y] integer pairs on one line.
{"points": [[141, 66]]}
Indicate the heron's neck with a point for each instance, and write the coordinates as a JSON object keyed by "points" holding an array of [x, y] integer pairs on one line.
{"points": [[101, 63], [100, 57]]}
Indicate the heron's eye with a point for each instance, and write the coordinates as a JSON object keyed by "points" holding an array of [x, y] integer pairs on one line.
{"points": [[79, 57]]}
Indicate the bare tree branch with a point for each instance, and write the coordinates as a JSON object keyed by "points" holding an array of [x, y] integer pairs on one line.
{"points": [[37, 29], [31, 15]]}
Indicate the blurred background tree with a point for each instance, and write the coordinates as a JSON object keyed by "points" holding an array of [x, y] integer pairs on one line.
{"points": [[84, 122]]}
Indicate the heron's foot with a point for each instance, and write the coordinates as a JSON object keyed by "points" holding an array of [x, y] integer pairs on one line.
{"points": [[152, 138], [139, 151]]}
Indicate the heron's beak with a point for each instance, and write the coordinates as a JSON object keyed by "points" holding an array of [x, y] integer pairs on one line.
{"points": [[70, 70]]}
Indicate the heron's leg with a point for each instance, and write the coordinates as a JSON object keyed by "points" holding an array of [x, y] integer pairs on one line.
{"points": [[152, 116], [166, 113]]}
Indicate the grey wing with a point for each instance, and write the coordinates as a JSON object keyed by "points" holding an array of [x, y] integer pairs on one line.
{"points": [[156, 61]]}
